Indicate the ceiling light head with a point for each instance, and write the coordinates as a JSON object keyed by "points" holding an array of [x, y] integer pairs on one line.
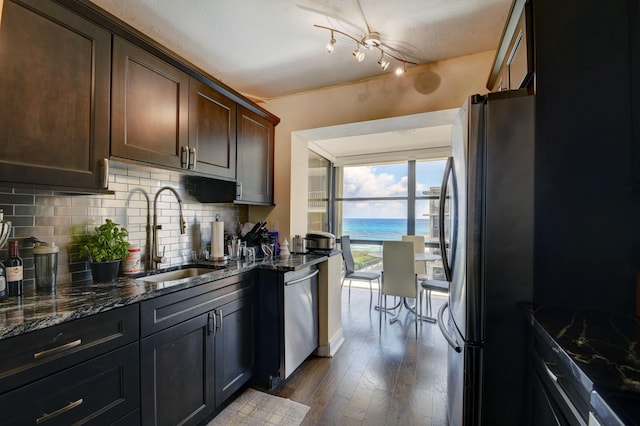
{"points": [[384, 64], [371, 39], [401, 70], [332, 43], [358, 55]]}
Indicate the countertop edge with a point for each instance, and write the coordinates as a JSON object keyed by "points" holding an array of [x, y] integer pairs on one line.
{"points": [[34, 311]]}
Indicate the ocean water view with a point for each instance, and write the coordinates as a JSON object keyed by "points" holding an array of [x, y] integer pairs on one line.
{"points": [[379, 229]]}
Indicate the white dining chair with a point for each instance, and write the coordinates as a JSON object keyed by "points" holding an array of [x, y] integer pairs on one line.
{"points": [[427, 287], [350, 274], [399, 277], [418, 247]]}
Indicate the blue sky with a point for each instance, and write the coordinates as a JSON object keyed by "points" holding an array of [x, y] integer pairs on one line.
{"points": [[388, 180]]}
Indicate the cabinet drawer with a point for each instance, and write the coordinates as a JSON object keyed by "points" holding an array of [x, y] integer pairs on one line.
{"points": [[99, 392], [164, 311], [31, 356]]}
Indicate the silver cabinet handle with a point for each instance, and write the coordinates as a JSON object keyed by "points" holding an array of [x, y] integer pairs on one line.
{"points": [[239, 187], [211, 323], [57, 350], [105, 173], [70, 406], [184, 156], [306, 277], [192, 159], [220, 313]]}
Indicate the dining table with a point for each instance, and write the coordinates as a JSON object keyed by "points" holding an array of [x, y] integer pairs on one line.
{"points": [[424, 257]]}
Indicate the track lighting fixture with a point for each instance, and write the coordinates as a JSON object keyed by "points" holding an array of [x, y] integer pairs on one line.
{"points": [[329, 47], [384, 64], [371, 40]]}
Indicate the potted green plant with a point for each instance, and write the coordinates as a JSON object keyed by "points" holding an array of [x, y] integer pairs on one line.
{"points": [[104, 249]]}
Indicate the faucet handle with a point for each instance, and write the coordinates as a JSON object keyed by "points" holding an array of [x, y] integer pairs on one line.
{"points": [[183, 225], [160, 259]]}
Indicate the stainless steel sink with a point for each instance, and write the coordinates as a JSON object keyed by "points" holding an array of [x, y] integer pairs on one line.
{"points": [[178, 274]]}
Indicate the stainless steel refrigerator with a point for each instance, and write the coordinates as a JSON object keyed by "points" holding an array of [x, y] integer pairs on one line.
{"points": [[486, 208]]}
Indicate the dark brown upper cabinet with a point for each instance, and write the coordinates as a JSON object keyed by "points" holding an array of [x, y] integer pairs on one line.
{"points": [[164, 117], [150, 98], [634, 22], [54, 97], [513, 65], [254, 182], [212, 131]]}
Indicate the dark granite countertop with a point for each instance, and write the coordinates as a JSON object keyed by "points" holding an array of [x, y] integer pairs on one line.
{"points": [[606, 348], [34, 311]]}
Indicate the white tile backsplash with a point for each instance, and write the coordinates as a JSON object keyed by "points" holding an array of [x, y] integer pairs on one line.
{"points": [[55, 217]]}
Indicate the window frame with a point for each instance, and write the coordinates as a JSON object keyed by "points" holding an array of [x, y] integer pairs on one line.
{"points": [[410, 198]]}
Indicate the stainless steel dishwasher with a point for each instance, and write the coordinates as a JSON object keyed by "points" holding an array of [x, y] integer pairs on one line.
{"points": [[300, 317]]}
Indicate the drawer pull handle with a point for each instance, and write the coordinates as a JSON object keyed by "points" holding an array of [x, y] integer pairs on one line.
{"points": [[553, 376], [58, 349], [46, 417]]}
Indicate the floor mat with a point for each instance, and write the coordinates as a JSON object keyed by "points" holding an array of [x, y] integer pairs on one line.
{"points": [[258, 408]]}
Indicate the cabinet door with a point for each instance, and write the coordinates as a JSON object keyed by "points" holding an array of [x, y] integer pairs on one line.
{"points": [[634, 19], [502, 81], [54, 97], [212, 131], [255, 158], [176, 373], [150, 108], [270, 329], [234, 346], [519, 61]]}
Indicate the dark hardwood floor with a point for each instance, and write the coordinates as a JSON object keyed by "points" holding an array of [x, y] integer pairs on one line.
{"points": [[375, 378]]}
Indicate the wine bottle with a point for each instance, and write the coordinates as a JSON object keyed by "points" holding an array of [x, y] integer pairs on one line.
{"points": [[13, 266], [3, 282]]}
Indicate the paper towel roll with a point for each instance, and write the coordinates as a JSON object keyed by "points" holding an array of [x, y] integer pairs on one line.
{"points": [[217, 239]]}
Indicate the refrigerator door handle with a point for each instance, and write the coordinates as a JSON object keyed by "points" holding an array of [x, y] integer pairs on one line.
{"points": [[441, 217], [452, 341]]}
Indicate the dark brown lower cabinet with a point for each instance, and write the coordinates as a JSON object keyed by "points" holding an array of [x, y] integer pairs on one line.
{"points": [[194, 364], [234, 346], [100, 391], [177, 373]]}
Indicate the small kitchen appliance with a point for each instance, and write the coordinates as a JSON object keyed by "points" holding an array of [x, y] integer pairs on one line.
{"points": [[319, 242], [45, 262]]}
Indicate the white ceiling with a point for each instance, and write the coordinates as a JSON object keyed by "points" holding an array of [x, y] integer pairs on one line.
{"points": [[417, 136], [270, 48]]}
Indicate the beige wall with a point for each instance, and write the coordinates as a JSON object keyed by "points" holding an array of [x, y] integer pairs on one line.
{"points": [[433, 87]]}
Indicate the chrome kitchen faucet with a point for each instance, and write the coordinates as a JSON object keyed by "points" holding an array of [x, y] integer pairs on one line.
{"points": [[183, 228]]}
